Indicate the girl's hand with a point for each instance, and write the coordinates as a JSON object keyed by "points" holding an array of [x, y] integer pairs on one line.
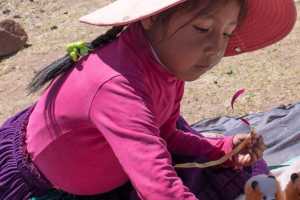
{"points": [[252, 152]]}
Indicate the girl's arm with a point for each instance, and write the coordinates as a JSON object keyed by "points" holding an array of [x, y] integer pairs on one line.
{"points": [[189, 143], [122, 113]]}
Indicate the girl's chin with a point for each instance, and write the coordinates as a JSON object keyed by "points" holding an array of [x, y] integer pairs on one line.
{"points": [[190, 78]]}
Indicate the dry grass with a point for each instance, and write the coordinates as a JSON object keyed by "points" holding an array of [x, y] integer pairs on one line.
{"points": [[271, 76]]}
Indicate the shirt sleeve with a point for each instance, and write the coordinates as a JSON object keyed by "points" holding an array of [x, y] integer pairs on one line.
{"points": [[189, 143], [122, 112]]}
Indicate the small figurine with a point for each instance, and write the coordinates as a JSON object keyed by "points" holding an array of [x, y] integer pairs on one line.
{"points": [[263, 187]]}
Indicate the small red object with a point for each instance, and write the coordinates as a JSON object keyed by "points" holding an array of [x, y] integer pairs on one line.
{"points": [[235, 96]]}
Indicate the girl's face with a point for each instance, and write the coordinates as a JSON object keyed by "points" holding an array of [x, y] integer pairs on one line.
{"points": [[189, 46]]}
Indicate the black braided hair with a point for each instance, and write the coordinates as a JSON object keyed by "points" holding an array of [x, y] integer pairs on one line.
{"points": [[64, 64]]}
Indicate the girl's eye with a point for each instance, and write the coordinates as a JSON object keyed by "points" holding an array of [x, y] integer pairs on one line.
{"points": [[203, 30]]}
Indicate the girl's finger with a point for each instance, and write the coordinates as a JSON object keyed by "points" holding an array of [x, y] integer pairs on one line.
{"points": [[254, 140], [259, 143], [254, 137], [246, 159], [262, 144], [258, 152], [258, 146], [237, 162], [262, 147], [239, 159], [261, 153], [254, 157]]}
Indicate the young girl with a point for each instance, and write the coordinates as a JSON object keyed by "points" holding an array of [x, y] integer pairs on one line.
{"points": [[105, 127]]}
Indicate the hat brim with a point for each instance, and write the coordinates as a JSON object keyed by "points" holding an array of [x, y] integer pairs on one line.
{"points": [[123, 12], [266, 21]]}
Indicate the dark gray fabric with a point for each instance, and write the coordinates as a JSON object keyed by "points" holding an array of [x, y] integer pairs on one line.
{"points": [[280, 128]]}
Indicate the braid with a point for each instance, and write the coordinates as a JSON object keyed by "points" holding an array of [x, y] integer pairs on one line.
{"points": [[64, 64], [109, 36]]}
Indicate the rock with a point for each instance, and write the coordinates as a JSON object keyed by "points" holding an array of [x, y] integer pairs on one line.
{"points": [[17, 17], [6, 11], [12, 37], [53, 27]]}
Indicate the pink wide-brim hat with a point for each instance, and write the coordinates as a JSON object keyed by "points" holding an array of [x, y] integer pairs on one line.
{"points": [[266, 22]]}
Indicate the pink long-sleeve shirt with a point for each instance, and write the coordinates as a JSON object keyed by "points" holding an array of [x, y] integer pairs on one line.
{"points": [[116, 114]]}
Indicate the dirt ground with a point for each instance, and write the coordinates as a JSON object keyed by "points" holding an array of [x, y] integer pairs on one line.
{"points": [[270, 76]]}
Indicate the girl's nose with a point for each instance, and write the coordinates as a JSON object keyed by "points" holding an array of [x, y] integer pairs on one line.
{"points": [[215, 45]]}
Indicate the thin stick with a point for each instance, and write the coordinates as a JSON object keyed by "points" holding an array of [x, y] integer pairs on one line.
{"points": [[221, 160]]}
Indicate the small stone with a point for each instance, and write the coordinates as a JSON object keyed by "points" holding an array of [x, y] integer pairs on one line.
{"points": [[17, 17], [53, 27], [229, 72], [27, 45], [12, 37], [6, 11]]}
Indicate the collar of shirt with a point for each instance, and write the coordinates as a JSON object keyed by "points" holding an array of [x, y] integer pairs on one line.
{"points": [[135, 37]]}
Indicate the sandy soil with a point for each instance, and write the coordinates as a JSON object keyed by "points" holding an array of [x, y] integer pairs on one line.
{"points": [[271, 76]]}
